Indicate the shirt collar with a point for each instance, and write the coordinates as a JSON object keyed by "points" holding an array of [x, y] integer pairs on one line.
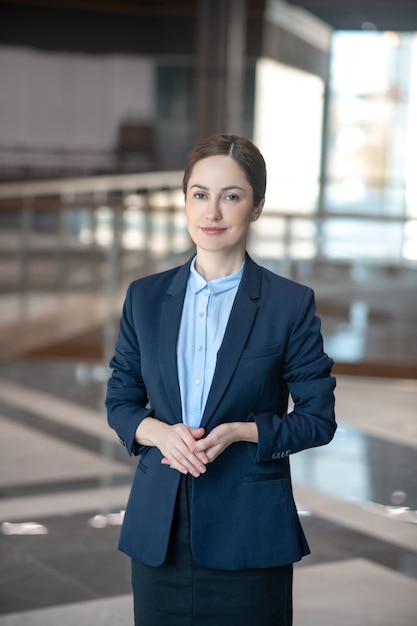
{"points": [[198, 283]]}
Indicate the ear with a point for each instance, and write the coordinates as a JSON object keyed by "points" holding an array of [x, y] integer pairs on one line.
{"points": [[258, 210]]}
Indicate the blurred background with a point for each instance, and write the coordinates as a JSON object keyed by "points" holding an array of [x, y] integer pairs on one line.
{"points": [[100, 101]]}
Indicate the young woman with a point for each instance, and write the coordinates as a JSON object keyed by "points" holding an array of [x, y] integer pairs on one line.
{"points": [[206, 358]]}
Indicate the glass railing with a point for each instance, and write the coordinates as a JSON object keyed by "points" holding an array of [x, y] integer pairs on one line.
{"points": [[70, 247]]}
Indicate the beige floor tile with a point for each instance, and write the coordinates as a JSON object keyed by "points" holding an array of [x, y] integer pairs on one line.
{"points": [[353, 593]]}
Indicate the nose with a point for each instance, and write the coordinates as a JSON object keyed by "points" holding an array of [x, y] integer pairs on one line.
{"points": [[213, 212]]}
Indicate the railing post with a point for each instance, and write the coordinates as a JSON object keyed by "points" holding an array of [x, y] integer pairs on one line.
{"points": [[61, 250], [26, 220], [96, 281], [148, 229]]}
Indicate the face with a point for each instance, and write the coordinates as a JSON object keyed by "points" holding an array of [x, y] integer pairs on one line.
{"points": [[219, 206]]}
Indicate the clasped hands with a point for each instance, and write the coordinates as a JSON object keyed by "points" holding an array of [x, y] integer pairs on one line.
{"points": [[189, 450]]}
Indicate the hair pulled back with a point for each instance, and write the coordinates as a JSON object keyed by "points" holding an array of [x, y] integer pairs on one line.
{"points": [[241, 150]]}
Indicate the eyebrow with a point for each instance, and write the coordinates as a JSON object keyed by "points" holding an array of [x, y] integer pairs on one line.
{"points": [[222, 189]]}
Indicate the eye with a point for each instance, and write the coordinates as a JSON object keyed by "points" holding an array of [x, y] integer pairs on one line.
{"points": [[231, 197], [199, 195]]}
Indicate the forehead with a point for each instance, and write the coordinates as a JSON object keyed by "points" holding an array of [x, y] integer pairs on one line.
{"points": [[218, 170]]}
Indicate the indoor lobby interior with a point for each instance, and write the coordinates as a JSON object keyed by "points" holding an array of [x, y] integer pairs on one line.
{"points": [[70, 244]]}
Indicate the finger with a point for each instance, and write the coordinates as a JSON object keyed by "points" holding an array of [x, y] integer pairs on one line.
{"points": [[183, 468], [187, 448], [202, 445], [180, 457], [179, 449], [188, 435], [202, 455], [179, 468], [197, 433]]}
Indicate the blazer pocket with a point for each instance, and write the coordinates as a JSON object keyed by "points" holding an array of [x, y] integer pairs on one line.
{"points": [[253, 478], [263, 351]]}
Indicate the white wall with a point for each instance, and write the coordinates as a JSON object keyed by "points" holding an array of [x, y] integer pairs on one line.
{"points": [[71, 101]]}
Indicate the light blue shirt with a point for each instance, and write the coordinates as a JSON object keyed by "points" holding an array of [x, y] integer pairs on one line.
{"points": [[206, 311]]}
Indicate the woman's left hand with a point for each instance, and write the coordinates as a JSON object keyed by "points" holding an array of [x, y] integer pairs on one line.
{"points": [[224, 435]]}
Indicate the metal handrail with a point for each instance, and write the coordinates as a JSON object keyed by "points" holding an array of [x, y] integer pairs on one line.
{"points": [[91, 184]]}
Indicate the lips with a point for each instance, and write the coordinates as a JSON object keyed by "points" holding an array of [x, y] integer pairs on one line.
{"points": [[212, 230]]}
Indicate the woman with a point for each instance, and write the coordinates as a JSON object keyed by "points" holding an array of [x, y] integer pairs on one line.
{"points": [[206, 358]]}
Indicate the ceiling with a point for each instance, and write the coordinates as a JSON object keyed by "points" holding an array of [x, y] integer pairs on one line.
{"points": [[341, 14], [394, 15]]}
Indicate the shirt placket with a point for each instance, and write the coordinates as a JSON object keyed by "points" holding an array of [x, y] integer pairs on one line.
{"points": [[199, 360]]}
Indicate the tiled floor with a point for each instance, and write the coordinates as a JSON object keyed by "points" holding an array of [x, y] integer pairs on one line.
{"points": [[64, 480]]}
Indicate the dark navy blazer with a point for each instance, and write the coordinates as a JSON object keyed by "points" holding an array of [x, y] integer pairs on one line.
{"points": [[243, 512]]}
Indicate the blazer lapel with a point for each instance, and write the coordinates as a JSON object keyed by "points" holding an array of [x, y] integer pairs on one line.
{"points": [[168, 336], [238, 329]]}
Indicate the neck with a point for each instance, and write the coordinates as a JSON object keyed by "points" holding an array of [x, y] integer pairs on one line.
{"points": [[213, 266]]}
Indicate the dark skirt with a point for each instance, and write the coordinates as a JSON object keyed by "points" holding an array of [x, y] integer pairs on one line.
{"points": [[183, 593]]}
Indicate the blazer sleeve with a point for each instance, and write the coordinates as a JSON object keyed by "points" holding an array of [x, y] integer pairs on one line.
{"points": [[127, 398], [306, 372]]}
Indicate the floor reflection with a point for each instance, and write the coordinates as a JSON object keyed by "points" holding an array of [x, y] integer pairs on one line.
{"points": [[360, 468], [355, 466]]}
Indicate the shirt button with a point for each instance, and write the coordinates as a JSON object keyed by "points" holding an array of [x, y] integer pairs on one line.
{"points": [[197, 381], [201, 314], [200, 348]]}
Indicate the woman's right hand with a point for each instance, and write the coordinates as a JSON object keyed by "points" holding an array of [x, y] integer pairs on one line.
{"points": [[176, 443]]}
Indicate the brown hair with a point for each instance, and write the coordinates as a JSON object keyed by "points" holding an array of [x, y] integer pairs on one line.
{"points": [[241, 150]]}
